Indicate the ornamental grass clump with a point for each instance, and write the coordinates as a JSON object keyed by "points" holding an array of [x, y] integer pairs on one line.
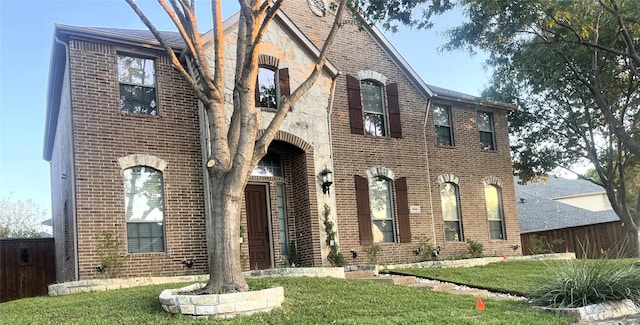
{"points": [[578, 283]]}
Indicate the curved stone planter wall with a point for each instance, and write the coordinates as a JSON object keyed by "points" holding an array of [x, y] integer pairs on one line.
{"points": [[471, 262], [602, 311], [220, 305]]}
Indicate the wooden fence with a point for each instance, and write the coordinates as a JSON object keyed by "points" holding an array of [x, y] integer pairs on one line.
{"points": [[590, 239], [27, 267]]}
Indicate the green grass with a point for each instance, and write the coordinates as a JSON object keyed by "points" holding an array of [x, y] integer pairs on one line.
{"points": [[520, 277], [307, 301]]}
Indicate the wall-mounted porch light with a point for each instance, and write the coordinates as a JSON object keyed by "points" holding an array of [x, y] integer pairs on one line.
{"points": [[327, 179]]}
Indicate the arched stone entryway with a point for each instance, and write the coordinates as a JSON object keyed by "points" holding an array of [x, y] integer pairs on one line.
{"points": [[280, 212]]}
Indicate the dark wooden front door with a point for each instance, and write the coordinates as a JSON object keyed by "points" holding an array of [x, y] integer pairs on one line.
{"points": [[255, 197]]}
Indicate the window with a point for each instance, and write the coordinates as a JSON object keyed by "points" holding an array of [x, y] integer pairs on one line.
{"points": [[267, 88], [373, 108], [450, 200], [137, 85], [381, 209], [270, 165], [442, 121], [144, 206], [485, 126], [375, 207], [367, 107], [282, 219], [494, 212]]}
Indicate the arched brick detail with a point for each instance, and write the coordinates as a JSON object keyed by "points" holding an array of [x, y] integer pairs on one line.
{"points": [[291, 139], [448, 178], [268, 60], [492, 180], [142, 160], [381, 171], [372, 75]]}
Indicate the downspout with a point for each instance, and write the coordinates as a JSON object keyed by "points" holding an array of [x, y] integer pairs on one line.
{"points": [[76, 267], [426, 154]]}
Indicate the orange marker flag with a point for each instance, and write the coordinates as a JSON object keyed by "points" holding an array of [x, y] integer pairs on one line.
{"points": [[504, 257], [480, 304], [567, 250], [602, 251]]}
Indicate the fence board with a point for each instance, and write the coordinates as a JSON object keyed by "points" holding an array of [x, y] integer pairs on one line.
{"points": [[27, 267], [586, 239]]}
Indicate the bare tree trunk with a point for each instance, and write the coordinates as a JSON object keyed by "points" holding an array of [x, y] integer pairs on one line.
{"points": [[226, 199], [632, 241]]}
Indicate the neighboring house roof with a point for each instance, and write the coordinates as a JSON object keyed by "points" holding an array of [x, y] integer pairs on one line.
{"points": [[540, 212]]}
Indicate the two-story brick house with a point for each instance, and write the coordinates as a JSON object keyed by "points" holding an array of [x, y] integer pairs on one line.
{"points": [[409, 161]]}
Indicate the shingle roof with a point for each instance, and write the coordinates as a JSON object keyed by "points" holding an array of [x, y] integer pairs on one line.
{"points": [[139, 35], [540, 212]]}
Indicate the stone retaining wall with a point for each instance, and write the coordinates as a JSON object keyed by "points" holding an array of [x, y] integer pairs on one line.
{"points": [[477, 261], [67, 288]]}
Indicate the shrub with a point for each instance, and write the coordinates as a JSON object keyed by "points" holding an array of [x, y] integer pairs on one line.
{"points": [[578, 283], [110, 255], [373, 253], [476, 249], [334, 257], [426, 251]]}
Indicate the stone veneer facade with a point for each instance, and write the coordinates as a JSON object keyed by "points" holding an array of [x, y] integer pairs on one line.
{"points": [[92, 139]]}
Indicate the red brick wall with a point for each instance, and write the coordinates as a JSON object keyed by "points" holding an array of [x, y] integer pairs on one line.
{"points": [[355, 50], [102, 134]]}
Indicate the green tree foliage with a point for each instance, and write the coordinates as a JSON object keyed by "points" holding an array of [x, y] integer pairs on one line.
{"points": [[572, 68], [20, 219]]}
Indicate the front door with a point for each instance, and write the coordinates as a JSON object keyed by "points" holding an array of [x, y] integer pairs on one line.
{"points": [[255, 197]]}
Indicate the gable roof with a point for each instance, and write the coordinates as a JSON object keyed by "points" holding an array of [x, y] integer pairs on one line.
{"points": [[540, 212]]}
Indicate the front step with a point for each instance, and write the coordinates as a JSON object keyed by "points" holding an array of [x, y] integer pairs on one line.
{"points": [[399, 280], [434, 286], [360, 274]]}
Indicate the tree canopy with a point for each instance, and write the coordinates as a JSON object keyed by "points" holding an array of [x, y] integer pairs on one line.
{"points": [[572, 68], [20, 219]]}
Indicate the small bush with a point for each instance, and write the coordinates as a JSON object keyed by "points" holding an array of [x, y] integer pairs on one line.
{"points": [[426, 251], [110, 255], [373, 253], [476, 249], [578, 283]]}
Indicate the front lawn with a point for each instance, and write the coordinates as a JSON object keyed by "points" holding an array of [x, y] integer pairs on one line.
{"points": [[519, 277], [307, 301]]}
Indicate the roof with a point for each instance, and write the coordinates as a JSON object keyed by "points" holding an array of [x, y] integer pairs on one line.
{"points": [[540, 212], [439, 92]]}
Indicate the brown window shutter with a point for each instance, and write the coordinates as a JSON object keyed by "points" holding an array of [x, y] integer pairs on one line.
{"points": [[355, 105], [364, 211], [283, 79], [402, 208], [393, 105]]}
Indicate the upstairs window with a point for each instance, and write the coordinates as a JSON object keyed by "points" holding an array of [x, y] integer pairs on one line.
{"points": [[442, 121], [271, 83], [137, 85], [495, 215], [266, 88], [373, 107], [450, 200], [485, 126], [144, 209]]}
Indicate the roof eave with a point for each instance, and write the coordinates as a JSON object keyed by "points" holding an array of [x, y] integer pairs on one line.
{"points": [[54, 86]]}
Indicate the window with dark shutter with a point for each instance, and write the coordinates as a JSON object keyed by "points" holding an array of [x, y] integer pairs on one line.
{"points": [[364, 212], [402, 206], [355, 105], [395, 127]]}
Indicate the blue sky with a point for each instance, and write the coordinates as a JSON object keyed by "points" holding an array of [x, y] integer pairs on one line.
{"points": [[26, 36]]}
